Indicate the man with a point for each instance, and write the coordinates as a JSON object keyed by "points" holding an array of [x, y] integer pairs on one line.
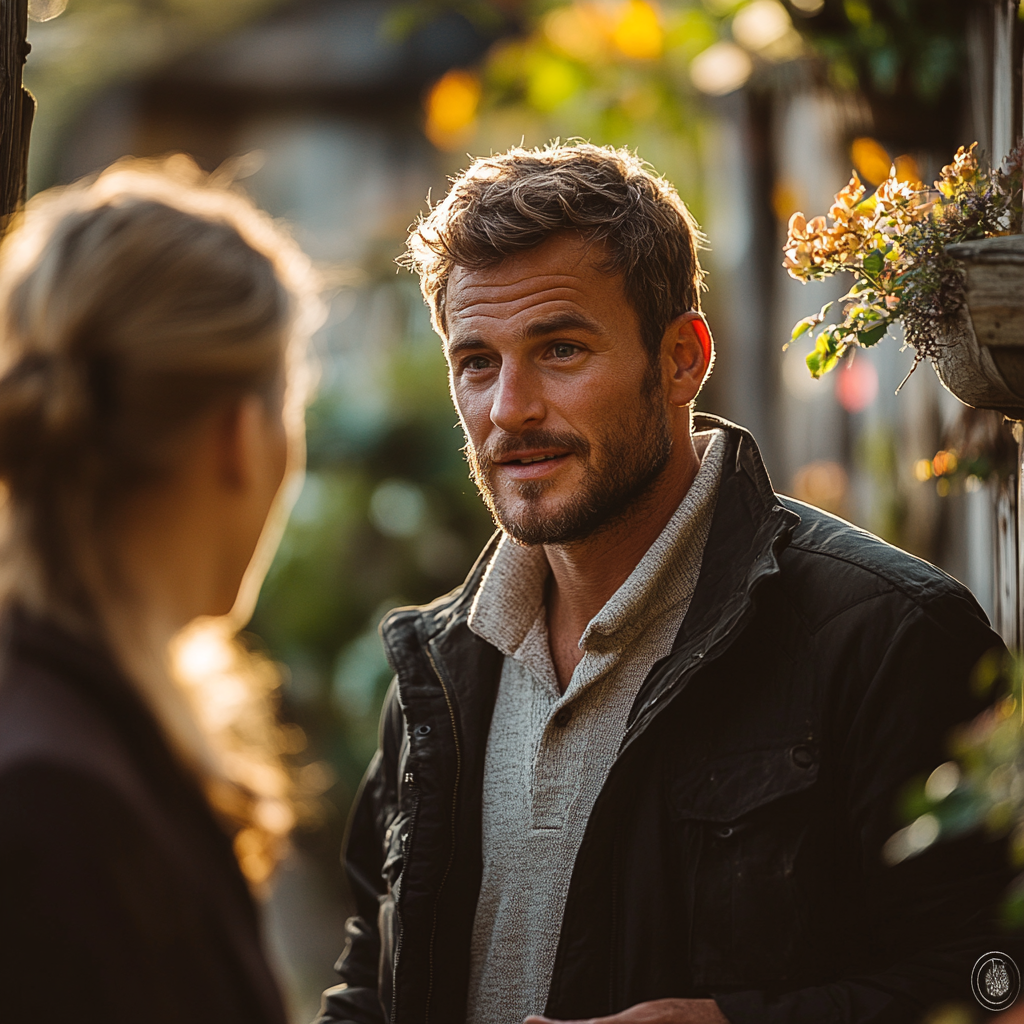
{"points": [[642, 765]]}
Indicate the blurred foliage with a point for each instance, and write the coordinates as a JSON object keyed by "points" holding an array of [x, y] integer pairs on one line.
{"points": [[608, 68], [983, 787], [625, 72], [620, 72], [977, 448], [95, 44], [890, 47]]}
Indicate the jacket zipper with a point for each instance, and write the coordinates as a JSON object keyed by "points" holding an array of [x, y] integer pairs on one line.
{"points": [[451, 854], [409, 780]]}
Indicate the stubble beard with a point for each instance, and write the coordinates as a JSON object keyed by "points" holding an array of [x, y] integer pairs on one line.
{"points": [[620, 470]]}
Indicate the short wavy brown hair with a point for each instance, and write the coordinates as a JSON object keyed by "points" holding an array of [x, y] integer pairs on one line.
{"points": [[513, 202]]}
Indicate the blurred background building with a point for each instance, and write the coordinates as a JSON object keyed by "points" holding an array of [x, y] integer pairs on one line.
{"points": [[341, 116]]}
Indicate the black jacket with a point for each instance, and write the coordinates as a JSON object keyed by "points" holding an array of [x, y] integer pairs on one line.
{"points": [[120, 898], [734, 850]]}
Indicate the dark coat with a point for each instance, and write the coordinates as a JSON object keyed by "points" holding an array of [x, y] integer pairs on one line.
{"points": [[735, 849], [120, 898]]}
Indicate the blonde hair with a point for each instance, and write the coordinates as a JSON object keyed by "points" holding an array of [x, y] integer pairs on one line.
{"points": [[130, 305]]}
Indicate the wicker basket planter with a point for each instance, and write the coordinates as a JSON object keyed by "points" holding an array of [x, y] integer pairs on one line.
{"points": [[984, 365]]}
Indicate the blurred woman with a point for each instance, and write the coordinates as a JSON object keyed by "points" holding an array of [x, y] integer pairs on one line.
{"points": [[152, 329]]}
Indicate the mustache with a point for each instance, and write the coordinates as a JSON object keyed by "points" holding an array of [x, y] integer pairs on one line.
{"points": [[509, 444]]}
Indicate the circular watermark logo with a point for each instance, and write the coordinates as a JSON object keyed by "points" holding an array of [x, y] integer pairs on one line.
{"points": [[995, 981]]}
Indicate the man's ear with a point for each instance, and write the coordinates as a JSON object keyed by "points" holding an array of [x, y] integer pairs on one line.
{"points": [[687, 354]]}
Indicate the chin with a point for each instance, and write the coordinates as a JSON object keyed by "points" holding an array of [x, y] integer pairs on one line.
{"points": [[530, 524]]}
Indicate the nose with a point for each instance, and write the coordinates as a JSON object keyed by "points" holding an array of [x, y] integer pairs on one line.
{"points": [[517, 403]]}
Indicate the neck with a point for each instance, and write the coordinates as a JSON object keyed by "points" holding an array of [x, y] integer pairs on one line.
{"points": [[167, 564], [585, 574]]}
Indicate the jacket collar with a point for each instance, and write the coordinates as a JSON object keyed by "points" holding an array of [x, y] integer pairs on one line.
{"points": [[749, 529]]}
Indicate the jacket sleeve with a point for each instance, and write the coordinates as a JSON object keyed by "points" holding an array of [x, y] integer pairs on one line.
{"points": [[931, 916], [356, 1000]]}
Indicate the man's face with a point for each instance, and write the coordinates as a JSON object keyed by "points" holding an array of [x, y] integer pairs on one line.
{"points": [[564, 413]]}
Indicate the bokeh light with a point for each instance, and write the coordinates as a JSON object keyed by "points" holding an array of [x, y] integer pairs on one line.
{"points": [[46, 10], [823, 483], [637, 33], [580, 31], [760, 24], [870, 159], [451, 108], [721, 69], [856, 385]]}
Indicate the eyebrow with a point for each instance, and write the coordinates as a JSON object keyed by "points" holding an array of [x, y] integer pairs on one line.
{"points": [[562, 322], [537, 329]]}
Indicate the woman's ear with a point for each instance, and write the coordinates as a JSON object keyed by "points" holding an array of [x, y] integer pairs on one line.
{"points": [[687, 355], [251, 446], [234, 431]]}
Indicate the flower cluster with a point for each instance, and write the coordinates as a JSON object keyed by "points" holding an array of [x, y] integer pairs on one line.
{"points": [[859, 226], [963, 169], [893, 242]]}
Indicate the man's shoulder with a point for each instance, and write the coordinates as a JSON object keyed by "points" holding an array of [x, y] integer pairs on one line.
{"points": [[418, 623], [831, 567]]}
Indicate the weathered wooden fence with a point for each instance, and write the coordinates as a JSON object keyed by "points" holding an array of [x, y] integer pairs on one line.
{"points": [[17, 105]]}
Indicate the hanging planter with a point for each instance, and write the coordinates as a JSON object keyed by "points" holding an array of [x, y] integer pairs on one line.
{"points": [[937, 261], [982, 364]]}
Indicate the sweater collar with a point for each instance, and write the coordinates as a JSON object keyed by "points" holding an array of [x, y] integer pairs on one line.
{"points": [[510, 598]]}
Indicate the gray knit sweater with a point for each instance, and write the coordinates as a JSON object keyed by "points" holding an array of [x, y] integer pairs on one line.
{"points": [[548, 753]]}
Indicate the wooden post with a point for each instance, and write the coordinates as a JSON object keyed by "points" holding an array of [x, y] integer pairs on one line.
{"points": [[1005, 18], [1003, 139], [1008, 511], [17, 106], [1005, 603]]}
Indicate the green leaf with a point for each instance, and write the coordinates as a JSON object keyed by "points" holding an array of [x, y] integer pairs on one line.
{"points": [[874, 262], [827, 352], [803, 326], [829, 364], [873, 336]]}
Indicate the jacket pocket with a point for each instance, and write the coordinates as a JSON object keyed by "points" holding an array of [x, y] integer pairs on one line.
{"points": [[744, 822]]}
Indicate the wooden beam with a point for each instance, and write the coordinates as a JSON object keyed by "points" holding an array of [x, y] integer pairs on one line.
{"points": [[17, 106]]}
